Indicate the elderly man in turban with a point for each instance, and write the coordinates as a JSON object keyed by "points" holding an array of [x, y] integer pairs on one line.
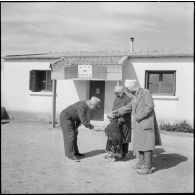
{"points": [[145, 128], [70, 119], [124, 121]]}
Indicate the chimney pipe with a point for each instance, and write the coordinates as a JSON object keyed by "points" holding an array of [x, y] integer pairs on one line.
{"points": [[131, 44]]}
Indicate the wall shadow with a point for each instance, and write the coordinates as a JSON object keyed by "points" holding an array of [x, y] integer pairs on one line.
{"points": [[94, 153], [165, 161], [129, 73], [82, 88]]}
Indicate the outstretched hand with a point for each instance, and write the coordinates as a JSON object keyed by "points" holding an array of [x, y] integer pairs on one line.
{"points": [[111, 115], [98, 129]]}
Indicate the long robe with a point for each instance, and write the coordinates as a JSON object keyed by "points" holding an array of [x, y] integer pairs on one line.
{"points": [[113, 131], [145, 127], [126, 118], [125, 126]]}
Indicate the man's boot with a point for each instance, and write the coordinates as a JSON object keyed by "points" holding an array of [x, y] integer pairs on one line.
{"points": [[140, 163], [124, 150], [147, 168]]}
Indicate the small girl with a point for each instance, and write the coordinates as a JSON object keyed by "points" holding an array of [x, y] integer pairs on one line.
{"points": [[113, 131]]}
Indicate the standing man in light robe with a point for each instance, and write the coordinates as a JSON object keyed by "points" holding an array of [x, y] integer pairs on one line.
{"points": [[145, 128]]}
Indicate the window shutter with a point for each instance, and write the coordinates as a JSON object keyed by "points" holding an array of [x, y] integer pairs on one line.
{"points": [[49, 81], [33, 83], [146, 80]]}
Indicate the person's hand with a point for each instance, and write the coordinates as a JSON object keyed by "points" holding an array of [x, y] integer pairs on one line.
{"points": [[121, 120], [117, 115], [138, 120], [110, 115], [91, 126], [98, 129]]}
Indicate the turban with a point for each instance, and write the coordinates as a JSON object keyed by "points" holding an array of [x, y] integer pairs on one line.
{"points": [[119, 89], [130, 84]]}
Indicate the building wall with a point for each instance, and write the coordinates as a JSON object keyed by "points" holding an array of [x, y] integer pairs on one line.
{"points": [[17, 98], [168, 109], [21, 103]]}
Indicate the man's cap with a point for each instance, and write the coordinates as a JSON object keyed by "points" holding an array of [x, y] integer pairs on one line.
{"points": [[94, 100]]}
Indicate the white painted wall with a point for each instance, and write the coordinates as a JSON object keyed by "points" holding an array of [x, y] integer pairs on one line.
{"points": [[20, 102], [15, 88], [17, 98], [173, 109]]}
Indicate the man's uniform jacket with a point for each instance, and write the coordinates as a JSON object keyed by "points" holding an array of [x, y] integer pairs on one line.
{"points": [[70, 119]]}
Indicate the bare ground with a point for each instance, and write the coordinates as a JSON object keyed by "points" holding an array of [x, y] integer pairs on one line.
{"points": [[32, 161]]}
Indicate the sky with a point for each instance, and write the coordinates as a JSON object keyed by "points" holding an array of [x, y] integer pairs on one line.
{"points": [[41, 27]]}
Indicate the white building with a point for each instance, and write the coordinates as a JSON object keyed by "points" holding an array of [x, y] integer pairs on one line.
{"points": [[26, 87]]}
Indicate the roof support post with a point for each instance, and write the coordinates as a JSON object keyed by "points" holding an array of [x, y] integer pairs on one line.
{"points": [[54, 82], [118, 83]]}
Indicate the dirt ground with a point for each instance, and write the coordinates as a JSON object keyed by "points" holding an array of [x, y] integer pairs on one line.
{"points": [[32, 161]]}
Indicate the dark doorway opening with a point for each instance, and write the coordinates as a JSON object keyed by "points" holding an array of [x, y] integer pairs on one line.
{"points": [[97, 89]]}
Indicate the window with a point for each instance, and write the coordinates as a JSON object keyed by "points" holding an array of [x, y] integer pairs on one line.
{"points": [[161, 82], [40, 80]]}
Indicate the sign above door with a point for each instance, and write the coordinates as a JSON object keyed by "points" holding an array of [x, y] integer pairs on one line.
{"points": [[85, 71]]}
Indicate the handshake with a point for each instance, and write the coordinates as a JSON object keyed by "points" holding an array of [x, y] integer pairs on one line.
{"points": [[112, 115], [96, 128], [116, 116]]}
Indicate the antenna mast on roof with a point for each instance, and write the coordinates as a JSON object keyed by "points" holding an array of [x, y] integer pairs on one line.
{"points": [[131, 44]]}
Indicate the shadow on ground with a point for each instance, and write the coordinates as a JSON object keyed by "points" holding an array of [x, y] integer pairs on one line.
{"points": [[128, 157], [166, 161], [94, 153]]}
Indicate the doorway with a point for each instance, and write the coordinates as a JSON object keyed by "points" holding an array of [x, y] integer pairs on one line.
{"points": [[97, 89]]}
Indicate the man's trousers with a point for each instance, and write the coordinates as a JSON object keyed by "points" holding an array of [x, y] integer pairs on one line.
{"points": [[70, 133]]}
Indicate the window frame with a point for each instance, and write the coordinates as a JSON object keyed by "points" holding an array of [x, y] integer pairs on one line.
{"points": [[148, 72], [48, 87]]}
